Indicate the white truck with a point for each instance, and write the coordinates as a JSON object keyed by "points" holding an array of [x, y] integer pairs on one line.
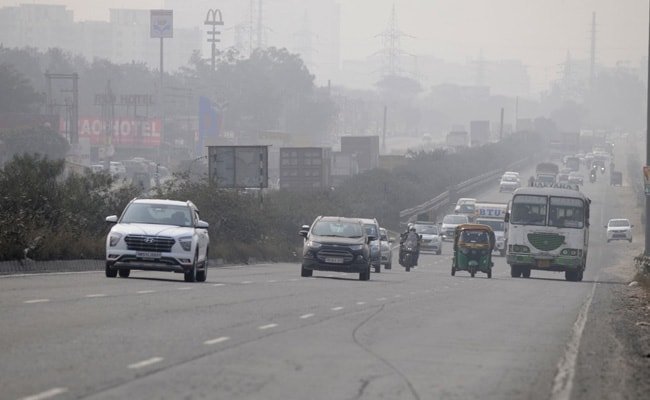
{"points": [[493, 215]]}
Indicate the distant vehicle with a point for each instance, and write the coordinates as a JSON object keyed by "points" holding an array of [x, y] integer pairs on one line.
{"points": [[158, 235], [545, 180], [117, 169], [97, 168], [619, 229], [509, 183], [372, 229], [616, 178], [493, 215], [465, 206], [449, 224], [572, 163], [548, 230], [563, 178], [431, 238], [576, 178], [336, 244], [386, 249]]}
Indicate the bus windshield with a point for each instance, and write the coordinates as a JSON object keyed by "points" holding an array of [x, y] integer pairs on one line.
{"points": [[528, 210], [566, 212]]}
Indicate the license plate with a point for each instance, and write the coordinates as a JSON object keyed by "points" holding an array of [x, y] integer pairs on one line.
{"points": [[543, 263], [147, 254], [334, 260]]}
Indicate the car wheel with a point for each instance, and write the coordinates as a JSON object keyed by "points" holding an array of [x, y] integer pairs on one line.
{"points": [[489, 273], [124, 273], [580, 276], [306, 273], [525, 272], [190, 275], [609, 240], [472, 273], [439, 252], [515, 271], [202, 275], [110, 272], [630, 240], [571, 276], [389, 266], [453, 271], [364, 275], [377, 268]]}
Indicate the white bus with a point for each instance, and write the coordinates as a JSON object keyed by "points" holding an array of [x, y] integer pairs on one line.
{"points": [[548, 230]]}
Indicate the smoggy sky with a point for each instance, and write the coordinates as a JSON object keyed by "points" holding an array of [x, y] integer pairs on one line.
{"points": [[538, 32]]}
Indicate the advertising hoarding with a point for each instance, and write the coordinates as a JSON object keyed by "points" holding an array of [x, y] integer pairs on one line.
{"points": [[238, 166], [139, 132]]}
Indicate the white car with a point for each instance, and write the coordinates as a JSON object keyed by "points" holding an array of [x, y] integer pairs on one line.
{"points": [[431, 238], [619, 229], [386, 249], [509, 183], [449, 224], [158, 235]]}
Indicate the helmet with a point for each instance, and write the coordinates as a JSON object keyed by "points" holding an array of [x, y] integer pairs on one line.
{"points": [[412, 229]]}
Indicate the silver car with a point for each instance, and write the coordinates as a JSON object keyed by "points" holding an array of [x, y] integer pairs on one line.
{"points": [[431, 237], [386, 249]]}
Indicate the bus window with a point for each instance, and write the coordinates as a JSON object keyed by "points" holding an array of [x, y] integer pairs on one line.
{"points": [[566, 212], [528, 210]]}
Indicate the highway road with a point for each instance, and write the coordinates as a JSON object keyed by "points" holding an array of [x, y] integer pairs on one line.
{"points": [[263, 332]]}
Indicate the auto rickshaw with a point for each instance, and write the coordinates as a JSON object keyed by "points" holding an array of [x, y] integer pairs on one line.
{"points": [[473, 245]]}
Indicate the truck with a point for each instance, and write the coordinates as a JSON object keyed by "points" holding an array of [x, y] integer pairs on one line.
{"points": [[493, 214], [546, 173]]}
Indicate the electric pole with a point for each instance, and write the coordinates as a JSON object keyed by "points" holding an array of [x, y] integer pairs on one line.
{"points": [[647, 160], [592, 64]]}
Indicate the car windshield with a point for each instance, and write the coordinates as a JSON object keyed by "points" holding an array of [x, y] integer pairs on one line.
{"points": [[619, 222], [161, 214], [455, 219], [472, 236], [509, 178], [528, 210], [466, 208], [497, 226], [338, 229], [426, 229]]}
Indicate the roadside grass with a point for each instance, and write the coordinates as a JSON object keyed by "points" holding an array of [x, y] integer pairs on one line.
{"points": [[642, 265]]}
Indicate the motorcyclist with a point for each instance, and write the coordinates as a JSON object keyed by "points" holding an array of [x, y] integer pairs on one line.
{"points": [[410, 234], [592, 174]]}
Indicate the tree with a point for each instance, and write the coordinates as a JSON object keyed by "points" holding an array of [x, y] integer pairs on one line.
{"points": [[16, 93], [36, 140]]}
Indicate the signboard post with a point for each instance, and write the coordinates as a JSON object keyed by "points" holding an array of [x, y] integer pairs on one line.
{"points": [[646, 179]]}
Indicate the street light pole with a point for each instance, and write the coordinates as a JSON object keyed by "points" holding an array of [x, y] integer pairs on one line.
{"points": [[647, 151]]}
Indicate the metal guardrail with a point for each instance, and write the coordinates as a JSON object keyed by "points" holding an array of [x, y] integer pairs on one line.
{"points": [[444, 198]]}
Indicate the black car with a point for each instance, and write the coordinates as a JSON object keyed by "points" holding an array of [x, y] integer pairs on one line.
{"points": [[336, 244]]}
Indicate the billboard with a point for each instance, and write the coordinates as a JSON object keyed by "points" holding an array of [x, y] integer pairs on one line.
{"points": [[139, 132], [238, 166], [162, 23]]}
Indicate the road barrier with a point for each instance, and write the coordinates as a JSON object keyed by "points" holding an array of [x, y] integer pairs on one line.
{"points": [[447, 197]]}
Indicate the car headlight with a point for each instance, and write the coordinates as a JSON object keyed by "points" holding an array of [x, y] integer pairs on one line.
{"points": [[356, 247], [314, 245], [186, 243], [114, 239]]}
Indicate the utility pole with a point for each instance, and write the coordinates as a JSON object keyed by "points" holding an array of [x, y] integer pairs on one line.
{"points": [[647, 160], [214, 19], [384, 129], [501, 127], [593, 50]]}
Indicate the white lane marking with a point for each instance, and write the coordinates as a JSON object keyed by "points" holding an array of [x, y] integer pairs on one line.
{"points": [[306, 316], [50, 273], [293, 280], [145, 363], [185, 288], [217, 340], [265, 327], [47, 394], [412, 293], [360, 303], [397, 296], [36, 301], [246, 282], [272, 281], [146, 291], [95, 295], [218, 284], [566, 368], [381, 299], [337, 308]]}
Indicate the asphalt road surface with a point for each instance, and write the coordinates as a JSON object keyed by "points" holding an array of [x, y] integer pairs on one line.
{"points": [[263, 332]]}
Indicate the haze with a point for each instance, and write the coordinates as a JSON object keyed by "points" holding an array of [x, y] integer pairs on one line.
{"points": [[539, 33]]}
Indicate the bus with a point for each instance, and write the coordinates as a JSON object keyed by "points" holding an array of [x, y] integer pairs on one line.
{"points": [[548, 230]]}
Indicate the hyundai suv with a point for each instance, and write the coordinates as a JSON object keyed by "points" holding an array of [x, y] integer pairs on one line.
{"points": [[336, 244], [158, 235], [619, 229]]}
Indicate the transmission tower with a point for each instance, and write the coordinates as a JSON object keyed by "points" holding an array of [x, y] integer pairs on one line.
{"points": [[250, 34], [304, 40], [392, 46]]}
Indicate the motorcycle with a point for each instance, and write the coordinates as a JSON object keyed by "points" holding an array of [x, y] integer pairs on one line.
{"points": [[602, 170], [592, 177], [409, 253]]}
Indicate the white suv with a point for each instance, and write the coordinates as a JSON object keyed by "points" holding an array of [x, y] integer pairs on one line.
{"points": [[619, 229], [158, 235]]}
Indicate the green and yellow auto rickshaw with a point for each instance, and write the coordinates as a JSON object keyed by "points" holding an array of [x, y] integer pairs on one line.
{"points": [[473, 245]]}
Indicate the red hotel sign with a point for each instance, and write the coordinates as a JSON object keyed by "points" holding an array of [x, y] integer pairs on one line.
{"points": [[122, 132]]}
